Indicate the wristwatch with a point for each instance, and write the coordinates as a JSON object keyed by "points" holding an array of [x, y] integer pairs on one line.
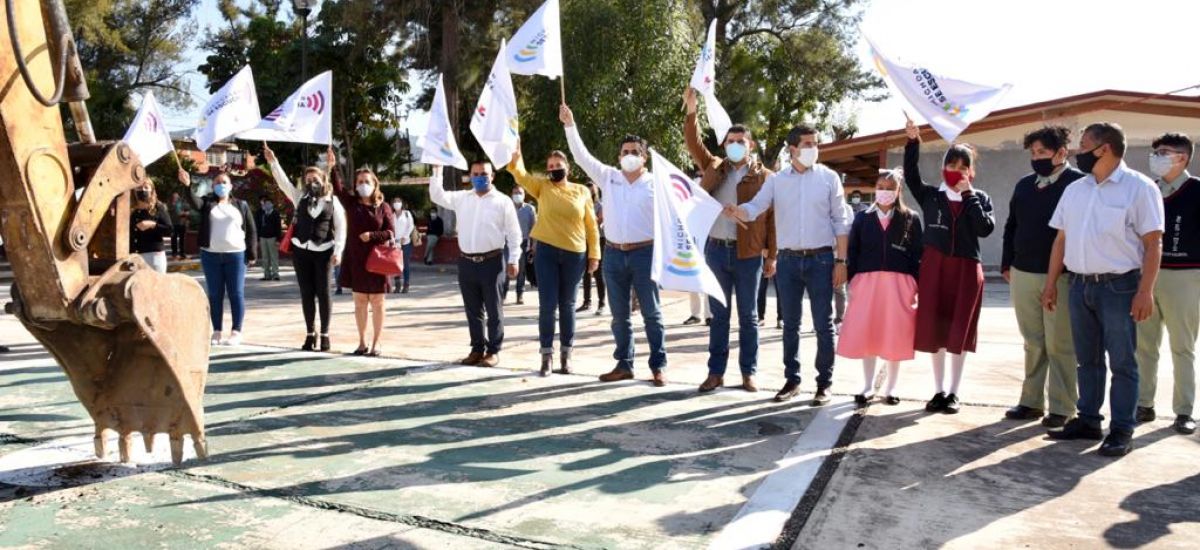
{"points": [[839, 261]]}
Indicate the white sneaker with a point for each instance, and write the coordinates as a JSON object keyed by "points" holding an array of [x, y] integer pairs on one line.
{"points": [[235, 339], [216, 339], [599, 311]]}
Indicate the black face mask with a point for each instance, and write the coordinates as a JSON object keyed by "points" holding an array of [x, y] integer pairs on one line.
{"points": [[314, 189], [558, 175], [1087, 161], [1043, 167], [141, 195]]}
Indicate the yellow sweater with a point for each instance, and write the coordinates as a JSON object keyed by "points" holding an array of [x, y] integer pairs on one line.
{"points": [[566, 215]]}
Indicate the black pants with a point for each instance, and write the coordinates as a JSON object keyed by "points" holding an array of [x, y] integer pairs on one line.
{"points": [[598, 276], [482, 285], [762, 298], [177, 233], [524, 270], [312, 272]]}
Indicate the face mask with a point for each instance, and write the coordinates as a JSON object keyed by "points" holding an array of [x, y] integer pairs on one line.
{"points": [[855, 200], [221, 190], [480, 183], [141, 194], [396, 206], [268, 207], [1087, 160], [1043, 167], [736, 152], [885, 198], [1161, 165], [632, 163], [807, 156], [314, 188], [433, 216], [952, 177], [364, 190], [558, 175], [518, 199]]}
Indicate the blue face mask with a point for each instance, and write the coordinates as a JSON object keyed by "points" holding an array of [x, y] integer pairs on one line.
{"points": [[736, 152], [480, 183], [221, 190]]}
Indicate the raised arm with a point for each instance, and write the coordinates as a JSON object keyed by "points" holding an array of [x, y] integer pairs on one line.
{"points": [[280, 176], [691, 133], [912, 161], [532, 184], [335, 179], [591, 165], [438, 195], [186, 180]]}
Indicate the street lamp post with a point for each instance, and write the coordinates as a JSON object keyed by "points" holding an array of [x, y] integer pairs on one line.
{"points": [[303, 8]]}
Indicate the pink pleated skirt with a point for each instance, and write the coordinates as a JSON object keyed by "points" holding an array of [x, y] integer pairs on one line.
{"points": [[881, 318]]}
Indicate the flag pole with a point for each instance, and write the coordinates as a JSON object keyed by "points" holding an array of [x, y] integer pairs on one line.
{"points": [[562, 88], [175, 155]]}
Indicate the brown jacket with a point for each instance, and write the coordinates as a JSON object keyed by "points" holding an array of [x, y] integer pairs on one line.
{"points": [[758, 235]]}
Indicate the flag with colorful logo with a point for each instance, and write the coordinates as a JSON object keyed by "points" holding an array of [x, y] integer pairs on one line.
{"points": [[495, 122], [704, 81], [438, 145], [683, 215], [306, 116], [948, 104], [148, 136], [233, 109], [536, 49]]}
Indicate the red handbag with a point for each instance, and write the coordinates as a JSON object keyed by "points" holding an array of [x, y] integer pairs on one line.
{"points": [[285, 246], [385, 259]]}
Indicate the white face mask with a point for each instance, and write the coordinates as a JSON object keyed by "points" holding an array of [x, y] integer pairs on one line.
{"points": [[518, 199], [364, 190], [1161, 165], [807, 156], [632, 163], [396, 206]]}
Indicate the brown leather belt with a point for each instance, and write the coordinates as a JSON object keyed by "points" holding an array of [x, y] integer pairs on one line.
{"points": [[727, 243], [480, 258], [805, 252], [626, 247]]}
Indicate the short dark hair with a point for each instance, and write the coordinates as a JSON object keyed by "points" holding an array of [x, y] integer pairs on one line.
{"points": [[856, 192], [737, 129], [632, 138], [961, 152], [481, 162], [793, 137], [1051, 137], [1108, 133], [1175, 140]]}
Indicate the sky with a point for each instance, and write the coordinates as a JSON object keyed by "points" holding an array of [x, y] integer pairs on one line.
{"points": [[1046, 49]]}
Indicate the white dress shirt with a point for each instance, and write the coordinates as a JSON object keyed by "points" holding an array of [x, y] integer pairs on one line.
{"points": [[314, 209], [404, 226], [1105, 222], [628, 207], [810, 208], [485, 223]]}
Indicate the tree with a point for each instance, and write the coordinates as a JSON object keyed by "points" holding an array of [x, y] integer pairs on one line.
{"points": [[129, 47]]}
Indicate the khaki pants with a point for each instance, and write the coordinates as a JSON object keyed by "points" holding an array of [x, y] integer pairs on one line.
{"points": [[1177, 307], [1049, 349], [268, 257]]}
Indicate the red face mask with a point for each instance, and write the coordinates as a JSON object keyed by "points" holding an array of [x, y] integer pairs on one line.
{"points": [[952, 177]]}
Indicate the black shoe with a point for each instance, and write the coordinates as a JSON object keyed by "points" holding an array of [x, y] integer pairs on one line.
{"points": [[952, 405], [1054, 421], [1145, 414], [1184, 424], [862, 399], [325, 342], [338, 292], [1117, 444], [362, 350], [404, 289], [891, 400], [1077, 429], [937, 404], [586, 306], [1021, 412], [4, 349], [693, 320], [520, 300], [276, 278], [310, 343], [789, 391], [708, 322], [821, 397]]}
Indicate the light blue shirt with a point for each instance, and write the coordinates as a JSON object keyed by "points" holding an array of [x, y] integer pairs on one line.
{"points": [[1105, 222], [810, 208], [526, 216]]}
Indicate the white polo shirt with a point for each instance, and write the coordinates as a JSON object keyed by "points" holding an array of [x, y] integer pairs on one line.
{"points": [[1105, 222]]}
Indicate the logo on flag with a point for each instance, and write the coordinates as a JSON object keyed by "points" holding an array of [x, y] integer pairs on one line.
{"points": [[536, 48], [704, 82], [438, 145], [682, 187], [304, 117], [147, 135], [530, 51], [152, 123], [683, 215], [497, 135]]}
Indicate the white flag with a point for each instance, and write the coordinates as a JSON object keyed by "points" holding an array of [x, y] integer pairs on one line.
{"points": [[233, 109], [438, 145], [683, 215], [494, 122], [537, 46], [148, 136], [949, 105], [704, 80], [306, 116]]}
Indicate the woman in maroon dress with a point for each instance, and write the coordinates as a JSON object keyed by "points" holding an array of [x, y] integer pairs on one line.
{"points": [[369, 222], [950, 284]]}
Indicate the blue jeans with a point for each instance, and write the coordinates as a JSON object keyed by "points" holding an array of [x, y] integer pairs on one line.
{"points": [[738, 278], [795, 276], [626, 272], [521, 269], [559, 272], [225, 272], [1100, 323], [406, 252]]}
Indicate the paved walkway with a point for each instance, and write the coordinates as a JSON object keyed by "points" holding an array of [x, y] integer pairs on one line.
{"points": [[323, 450]]}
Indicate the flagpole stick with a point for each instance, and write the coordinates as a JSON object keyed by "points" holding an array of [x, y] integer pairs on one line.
{"points": [[175, 155], [562, 88]]}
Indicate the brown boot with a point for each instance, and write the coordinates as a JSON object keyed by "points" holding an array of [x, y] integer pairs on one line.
{"points": [[748, 383], [616, 375], [547, 359], [711, 383], [490, 360], [565, 362], [473, 359], [789, 391], [658, 379]]}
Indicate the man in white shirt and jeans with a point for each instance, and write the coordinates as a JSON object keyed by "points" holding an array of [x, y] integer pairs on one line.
{"points": [[487, 222], [1110, 225], [628, 202]]}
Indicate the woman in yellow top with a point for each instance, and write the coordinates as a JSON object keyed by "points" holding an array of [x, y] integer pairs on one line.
{"points": [[567, 240]]}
